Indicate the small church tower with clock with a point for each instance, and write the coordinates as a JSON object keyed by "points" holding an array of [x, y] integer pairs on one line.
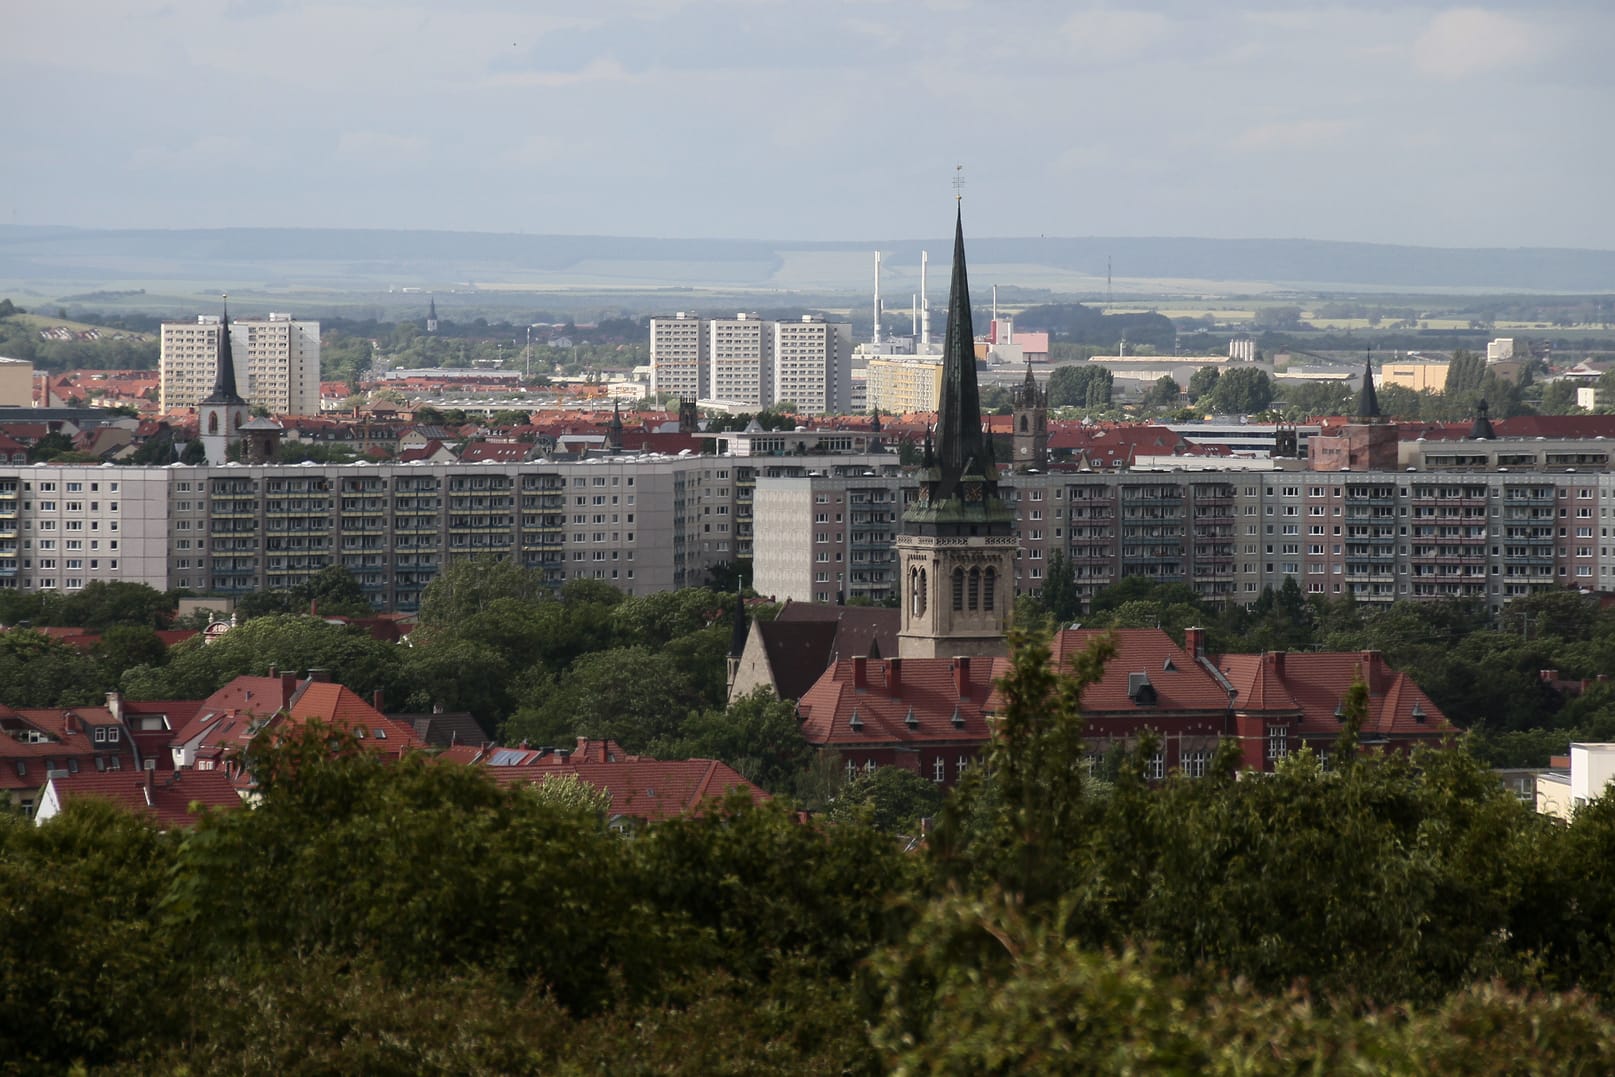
{"points": [[956, 550]]}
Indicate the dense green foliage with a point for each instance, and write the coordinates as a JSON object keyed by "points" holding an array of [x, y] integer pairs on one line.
{"points": [[1389, 915]]}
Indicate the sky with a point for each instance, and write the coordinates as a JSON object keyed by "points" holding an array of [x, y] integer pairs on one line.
{"points": [[1413, 122]]}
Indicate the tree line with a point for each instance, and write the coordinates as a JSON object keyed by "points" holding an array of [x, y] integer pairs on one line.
{"points": [[1388, 915]]}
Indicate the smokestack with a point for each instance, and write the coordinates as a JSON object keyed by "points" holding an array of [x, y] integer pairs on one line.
{"points": [[894, 677], [875, 337], [914, 314], [925, 301], [995, 314]]}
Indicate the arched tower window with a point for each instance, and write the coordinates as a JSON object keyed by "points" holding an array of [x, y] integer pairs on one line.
{"points": [[213, 422], [989, 585], [958, 589], [1024, 427], [975, 588], [923, 591]]}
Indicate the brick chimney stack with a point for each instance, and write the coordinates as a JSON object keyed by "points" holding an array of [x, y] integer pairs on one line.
{"points": [[961, 675]]}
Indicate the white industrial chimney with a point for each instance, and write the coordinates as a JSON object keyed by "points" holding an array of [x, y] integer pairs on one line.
{"points": [[875, 338], [925, 302]]}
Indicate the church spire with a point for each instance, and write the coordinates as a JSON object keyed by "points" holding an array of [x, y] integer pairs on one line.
{"points": [[224, 376], [959, 439], [1368, 400]]}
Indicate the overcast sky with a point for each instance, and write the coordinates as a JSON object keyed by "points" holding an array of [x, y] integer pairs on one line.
{"points": [[1398, 122]]}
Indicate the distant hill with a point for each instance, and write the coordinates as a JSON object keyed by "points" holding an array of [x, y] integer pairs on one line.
{"points": [[352, 258]]}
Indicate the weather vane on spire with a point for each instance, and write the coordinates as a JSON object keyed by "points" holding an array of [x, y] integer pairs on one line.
{"points": [[958, 183]]}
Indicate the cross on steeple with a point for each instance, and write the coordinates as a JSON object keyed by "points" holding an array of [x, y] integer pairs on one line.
{"points": [[958, 183]]}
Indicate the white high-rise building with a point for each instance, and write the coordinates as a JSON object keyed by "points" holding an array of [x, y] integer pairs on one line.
{"points": [[278, 358], [813, 365], [678, 356], [740, 353]]}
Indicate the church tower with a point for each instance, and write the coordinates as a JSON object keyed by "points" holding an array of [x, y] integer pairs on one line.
{"points": [[956, 551], [1030, 414], [431, 315], [222, 412]]}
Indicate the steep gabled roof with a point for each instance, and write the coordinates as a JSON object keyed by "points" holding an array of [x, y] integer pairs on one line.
{"points": [[920, 704], [1179, 683], [1319, 682], [1259, 686], [807, 637], [338, 705]]}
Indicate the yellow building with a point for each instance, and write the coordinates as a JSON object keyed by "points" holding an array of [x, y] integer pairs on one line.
{"points": [[898, 384], [16, 383], [1415, 376]]}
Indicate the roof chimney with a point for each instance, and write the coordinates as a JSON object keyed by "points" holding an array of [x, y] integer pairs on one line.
{"points": [[894, 677], [1194, 641], [319, 676], [1276, 660], [376, 698], [70, 722], [860, 672], [961, 675]]}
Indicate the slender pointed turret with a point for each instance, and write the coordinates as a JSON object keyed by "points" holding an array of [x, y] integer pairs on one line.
{"points": [[1368, 400], [959, 414], [614, 429], [224, 372], [739, 629]]}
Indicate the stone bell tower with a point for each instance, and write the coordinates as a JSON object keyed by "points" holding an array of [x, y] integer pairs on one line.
{"points": [[956, 551]]}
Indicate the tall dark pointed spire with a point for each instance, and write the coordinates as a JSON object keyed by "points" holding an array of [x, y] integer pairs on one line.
{"points": [[739, 626], [959, 439], [224, 375], [1368, 400]]}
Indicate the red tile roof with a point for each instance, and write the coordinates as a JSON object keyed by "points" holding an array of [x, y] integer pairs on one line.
{"points": [[645, 788], [863, 701], [1317, 684], [1180, 683], [167, 800]]}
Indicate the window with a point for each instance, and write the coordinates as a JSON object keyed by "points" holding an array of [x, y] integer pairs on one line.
{"points": [[958, 589], [1194, 764], [939, 770], [1278, 742], [1155, 767]]}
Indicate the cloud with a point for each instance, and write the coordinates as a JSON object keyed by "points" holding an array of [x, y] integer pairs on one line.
{"points": [[595, 71], [1293, 134], [380, 147], [208, 150], [1465, 41], [1108, 34]]}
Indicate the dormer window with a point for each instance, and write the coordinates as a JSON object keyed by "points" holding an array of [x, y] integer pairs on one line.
{"points": [[1140, 690]]}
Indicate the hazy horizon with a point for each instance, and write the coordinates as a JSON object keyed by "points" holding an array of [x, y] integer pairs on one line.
{"points": [[1422, 123]]}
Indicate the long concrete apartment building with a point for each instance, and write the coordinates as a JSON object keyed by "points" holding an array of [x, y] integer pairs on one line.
{"points": [[817, 512]]}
